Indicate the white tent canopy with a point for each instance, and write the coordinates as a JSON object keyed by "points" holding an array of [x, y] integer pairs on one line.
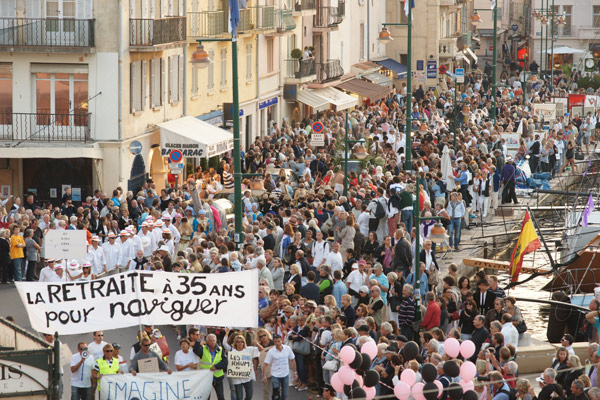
{"points": [[194, 138], [563, 50]]}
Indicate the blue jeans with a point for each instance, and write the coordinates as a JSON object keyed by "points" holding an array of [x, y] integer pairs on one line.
{"points": [[406, 216], [18, 274], [281, 385], [301, 367], [241, 387], [454, 231], [78, 393]]}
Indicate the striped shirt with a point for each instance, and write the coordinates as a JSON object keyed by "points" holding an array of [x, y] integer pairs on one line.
{"points": [[406, 314]]}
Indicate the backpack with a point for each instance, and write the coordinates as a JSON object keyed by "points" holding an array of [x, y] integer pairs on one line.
{"points": [[512, 393], [379, 210], [395, 201]]}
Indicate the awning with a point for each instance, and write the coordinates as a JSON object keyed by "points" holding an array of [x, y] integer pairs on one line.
{"points": [[194, 138], [395, 66], [471, 55], [339, 99], [312, 100], [378, 78], [364, 88], [460, 56]]}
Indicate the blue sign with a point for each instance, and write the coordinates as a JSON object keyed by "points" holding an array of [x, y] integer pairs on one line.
{"points": [[420, 65], [431, 69], [175, 156], [515, 27], [460, 75], [267, 103], [317, 127], [135, 147]]}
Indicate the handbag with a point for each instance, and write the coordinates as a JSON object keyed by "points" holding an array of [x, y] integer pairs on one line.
{"points": [[330, 365], [522, 327], [433, 277], [302, 347]]}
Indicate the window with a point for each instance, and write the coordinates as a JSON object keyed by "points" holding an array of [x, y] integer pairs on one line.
{"points": [[175, 78], [194, 81], [61, 98], [361, 53], [138, 86], [568, 12], [211, 73], [5, 94], [157, 80], [596, 16], [270, 55], [223, 68], [248, 62]]}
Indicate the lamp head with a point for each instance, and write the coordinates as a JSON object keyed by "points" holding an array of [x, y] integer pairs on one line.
{"points": [[200, 57], [385, 36]]}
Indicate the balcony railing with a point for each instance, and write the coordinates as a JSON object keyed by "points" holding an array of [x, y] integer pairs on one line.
{"points": [[46, 32], [304, 5], [152, 32], [328, 17], [299, 69], [45, 127], [207, 23], [329, 70], [284, 20]]}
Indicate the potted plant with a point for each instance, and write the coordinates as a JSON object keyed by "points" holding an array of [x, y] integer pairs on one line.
{"points": [[296, 54]]}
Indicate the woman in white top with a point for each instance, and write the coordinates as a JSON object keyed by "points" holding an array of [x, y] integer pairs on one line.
{"points": [[185, 360], [246, 353]]}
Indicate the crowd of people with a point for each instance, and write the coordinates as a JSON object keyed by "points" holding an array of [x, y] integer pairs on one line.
{"points": [[335, 266]]}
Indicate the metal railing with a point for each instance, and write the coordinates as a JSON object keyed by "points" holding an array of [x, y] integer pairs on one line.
{"points": [[45, 127], [152, 32], [302, 5], [284, 20], [327, 17], [46, 32], [245, 20], [264, 17], [299, 69], [329, 70], [207, 23]]}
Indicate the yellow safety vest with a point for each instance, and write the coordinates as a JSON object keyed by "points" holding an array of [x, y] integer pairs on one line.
{"points": [[105, 369], [207, 362]]}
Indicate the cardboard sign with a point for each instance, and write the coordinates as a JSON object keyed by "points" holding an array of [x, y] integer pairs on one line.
{"points": [[65, 244], [239, 364], [148, 365]]}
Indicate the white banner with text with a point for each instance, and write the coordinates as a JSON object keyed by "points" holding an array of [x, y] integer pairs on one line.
{"points": [[160, 385], [142, 297]]}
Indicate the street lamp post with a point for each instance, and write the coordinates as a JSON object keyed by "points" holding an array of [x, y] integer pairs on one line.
{"points": [[494, 60], [346, 155], [200, 59]]}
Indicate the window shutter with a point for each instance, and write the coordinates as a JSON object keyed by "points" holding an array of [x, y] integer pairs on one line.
{"points": [[163, 81], [8, 8], [171, 10], [132, 5], [144, 83], [170, 89], [180, 77], [84, 9], [164, 8], [153, 88], [211, 71], [181, 8], [33, 9], [131, 87], [194, 82]]}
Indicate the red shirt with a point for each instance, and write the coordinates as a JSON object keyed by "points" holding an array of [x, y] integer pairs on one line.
{"points": [[432, 316]]}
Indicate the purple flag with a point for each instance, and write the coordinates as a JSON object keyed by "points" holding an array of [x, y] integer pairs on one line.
{"points": [[588, 211]]}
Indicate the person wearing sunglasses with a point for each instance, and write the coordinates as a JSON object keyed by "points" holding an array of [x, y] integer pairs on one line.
{"points": [[106, 365], [145, 353], [81, 373]]}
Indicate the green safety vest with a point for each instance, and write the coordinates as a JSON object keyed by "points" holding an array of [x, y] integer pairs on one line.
{"points": [[105, 369], [207, 362]]}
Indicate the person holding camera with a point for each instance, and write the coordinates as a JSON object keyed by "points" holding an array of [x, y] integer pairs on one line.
{"points": [[81, 373]]}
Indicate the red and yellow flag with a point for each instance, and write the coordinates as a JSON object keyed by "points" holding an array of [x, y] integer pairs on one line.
{"points": [[528, 242]]}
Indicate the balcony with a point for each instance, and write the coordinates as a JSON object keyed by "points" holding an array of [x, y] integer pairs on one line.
{"points": [[46, 34], [329, 71], [284, 22], [45, 127], [300, 71], [448, 47], [305, 8], [147, 34], [207, 24], [328, 18]]}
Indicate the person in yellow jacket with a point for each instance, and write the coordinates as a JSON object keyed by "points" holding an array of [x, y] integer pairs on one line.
{"points": [[213, 357], [107, 365], [17, 244]]}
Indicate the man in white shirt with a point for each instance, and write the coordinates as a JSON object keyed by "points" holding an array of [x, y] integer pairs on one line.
{"points": [[157, 231], [95, 348], [81, 372], [567, 342], [95, 256], [334, 258], [47, 273], [111, 252], [511, 335], [277, 364], [174, 232], [149, 243], [125, 253], [355, 280], [320, 250]]}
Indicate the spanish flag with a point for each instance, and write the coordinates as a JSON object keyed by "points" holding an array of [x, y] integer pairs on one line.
{"points": [[528, 242]]}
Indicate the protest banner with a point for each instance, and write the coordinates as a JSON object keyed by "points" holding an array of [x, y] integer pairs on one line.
{"points": [[142, 297], [179, 385], [65, 244], [239, 364], [547, 111], [511, 140]]}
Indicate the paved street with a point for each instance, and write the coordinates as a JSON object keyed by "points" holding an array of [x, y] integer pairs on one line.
{"points": [[10, 304]]}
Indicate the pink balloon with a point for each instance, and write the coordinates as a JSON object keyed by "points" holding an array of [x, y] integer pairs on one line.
{"points": [[408, 376], [468, 371], [370, 391], [452, 347], [467, 348], [440, 387], [402, 390], [347, 356], [417, 391], [359, 379], [346, 375], [369, 348], [467, 385], [337, 384]]}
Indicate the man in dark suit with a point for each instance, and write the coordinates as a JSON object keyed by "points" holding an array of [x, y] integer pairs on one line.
{"points": [[484, 297], [269, 239]]}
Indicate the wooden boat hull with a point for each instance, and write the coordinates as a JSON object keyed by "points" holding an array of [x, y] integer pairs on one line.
{"points": [[581, 276]]}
